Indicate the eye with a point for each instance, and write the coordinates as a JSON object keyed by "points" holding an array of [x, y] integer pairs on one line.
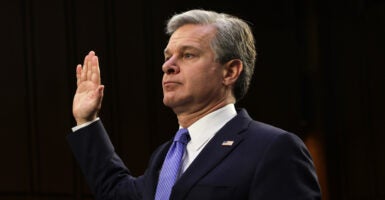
{"points": [[188, 55]]}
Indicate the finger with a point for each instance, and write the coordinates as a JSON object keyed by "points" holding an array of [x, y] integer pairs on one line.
{"points": [[89, 64], [95, 77], [97, 71], [89, 55], [83, 75], [101, 94], [85, 66], [100, 91], [89, 70], [78, 73], [86, 59], [98, 95]]}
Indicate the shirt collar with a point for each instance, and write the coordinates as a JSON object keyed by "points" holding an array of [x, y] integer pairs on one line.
{"points": [[205, 128]]}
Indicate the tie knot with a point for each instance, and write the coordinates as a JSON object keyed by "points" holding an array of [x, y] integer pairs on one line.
{"points": [[182, 136]]}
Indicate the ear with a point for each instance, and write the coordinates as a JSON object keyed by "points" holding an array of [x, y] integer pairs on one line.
{"points": [[232, 70]]}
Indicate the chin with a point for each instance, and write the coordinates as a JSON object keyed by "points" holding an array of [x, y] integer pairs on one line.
{"points": [[167, 102], [170, 103], [174, 102]]}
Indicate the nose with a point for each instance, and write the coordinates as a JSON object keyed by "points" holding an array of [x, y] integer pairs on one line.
{"points": [[170, 66]]}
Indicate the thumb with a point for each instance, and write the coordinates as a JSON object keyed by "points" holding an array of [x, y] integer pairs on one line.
{"points": [[100, 90], [100, 93]]}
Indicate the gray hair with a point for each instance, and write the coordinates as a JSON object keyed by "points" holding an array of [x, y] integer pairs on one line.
{"points": [[233, 40]]}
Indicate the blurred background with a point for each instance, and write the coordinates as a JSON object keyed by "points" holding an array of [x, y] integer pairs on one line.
{"points": [[320, 74]]}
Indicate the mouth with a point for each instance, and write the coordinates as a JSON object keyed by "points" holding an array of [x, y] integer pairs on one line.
{"points": [[170, 84]]}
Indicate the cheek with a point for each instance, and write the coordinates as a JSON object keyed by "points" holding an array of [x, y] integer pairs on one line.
{"points": [[213, 77], [206, 83], [203, 77]]}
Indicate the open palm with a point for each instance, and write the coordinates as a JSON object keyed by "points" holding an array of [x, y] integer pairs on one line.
{"points": [[89, 94]]}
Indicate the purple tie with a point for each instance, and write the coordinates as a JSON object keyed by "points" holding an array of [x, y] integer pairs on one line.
{"points": [[172, 165]]}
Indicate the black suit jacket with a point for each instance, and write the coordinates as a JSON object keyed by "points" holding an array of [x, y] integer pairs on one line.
{"points": [[263, 163]]}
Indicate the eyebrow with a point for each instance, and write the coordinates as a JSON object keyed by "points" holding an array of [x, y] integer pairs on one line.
{"points": [[183, 48]]}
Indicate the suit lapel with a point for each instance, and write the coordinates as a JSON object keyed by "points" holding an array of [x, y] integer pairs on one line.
{"points": [[220, 146]]}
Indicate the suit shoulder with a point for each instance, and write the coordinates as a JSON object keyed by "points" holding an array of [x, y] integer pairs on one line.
{"points": [[258, 128], [263, 131]]}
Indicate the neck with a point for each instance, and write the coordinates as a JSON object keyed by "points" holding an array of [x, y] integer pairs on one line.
{"points": [[186, 119]]}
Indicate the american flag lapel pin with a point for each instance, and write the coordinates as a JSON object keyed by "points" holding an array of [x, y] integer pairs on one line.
{"points": [[227, 143]]}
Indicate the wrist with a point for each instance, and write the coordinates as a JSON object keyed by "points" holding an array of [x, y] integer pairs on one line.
{"points": [[80, 121], [74, 129]]}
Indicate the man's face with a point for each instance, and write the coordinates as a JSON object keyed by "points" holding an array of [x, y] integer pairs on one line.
{"points": [[192, 78]]}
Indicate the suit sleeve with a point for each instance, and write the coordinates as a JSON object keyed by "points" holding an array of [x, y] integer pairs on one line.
{"points": [[105, 172], [286, 172]]}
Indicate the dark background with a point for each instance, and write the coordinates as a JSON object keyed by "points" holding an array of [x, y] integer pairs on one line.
{"points": [[320, 74]]}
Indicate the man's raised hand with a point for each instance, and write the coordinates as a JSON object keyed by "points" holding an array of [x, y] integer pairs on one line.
{"points": [[89, 94]]}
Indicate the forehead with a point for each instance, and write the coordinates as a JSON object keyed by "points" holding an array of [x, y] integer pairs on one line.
{"points": [[192, 36]]}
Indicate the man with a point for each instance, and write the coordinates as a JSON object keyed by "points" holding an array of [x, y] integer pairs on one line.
{"points": [[209, 61]]}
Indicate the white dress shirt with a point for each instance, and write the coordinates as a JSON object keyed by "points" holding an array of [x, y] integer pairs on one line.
{"points": [[203, 130]]}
